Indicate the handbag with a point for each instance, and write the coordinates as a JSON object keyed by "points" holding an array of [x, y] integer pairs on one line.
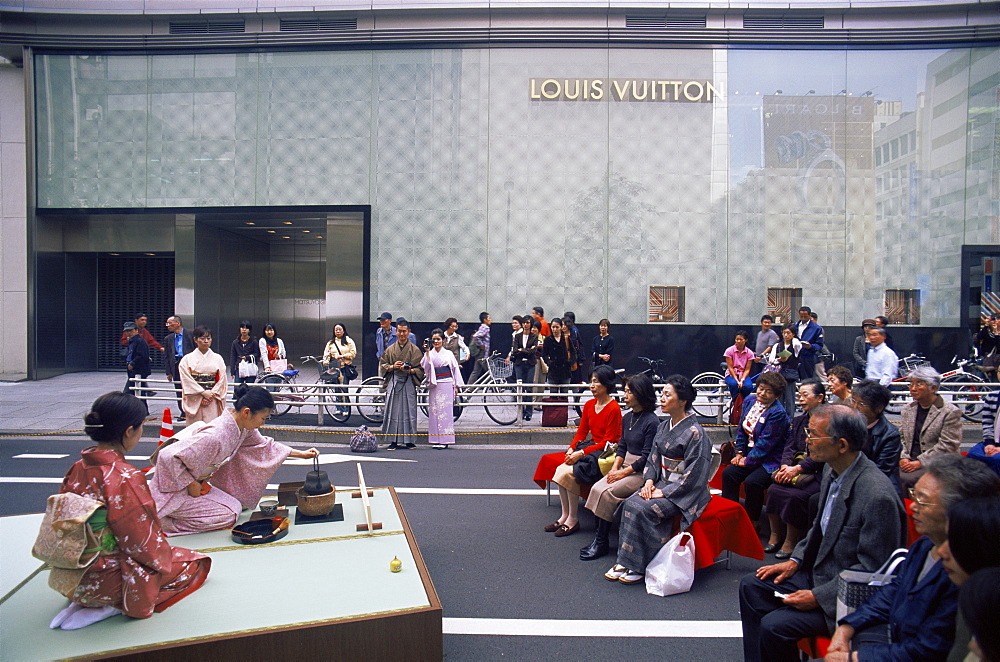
{"points": [[856, 586], [463, 353], [278, 365], [607, 458], [247, 368], [672, 569], [363, 441], [588, 469], [349, 372]]}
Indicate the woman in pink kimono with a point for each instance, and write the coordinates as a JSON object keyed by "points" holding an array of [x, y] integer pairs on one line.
{"points": [[203, 481], [203, 379], [137, 572], [443, 379]]}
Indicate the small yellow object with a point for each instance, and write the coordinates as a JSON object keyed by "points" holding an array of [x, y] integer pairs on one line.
{"points": [[395, 564]]}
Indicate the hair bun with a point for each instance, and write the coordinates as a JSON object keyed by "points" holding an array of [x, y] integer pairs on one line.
{"points": [[92, 420], [240, 390]]}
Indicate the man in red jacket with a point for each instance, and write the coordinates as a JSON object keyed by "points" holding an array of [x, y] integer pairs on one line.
{"points": [[140, 324]]}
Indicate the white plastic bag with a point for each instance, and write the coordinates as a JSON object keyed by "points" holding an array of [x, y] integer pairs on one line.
{"points": [[247, 369], [672, 569]]}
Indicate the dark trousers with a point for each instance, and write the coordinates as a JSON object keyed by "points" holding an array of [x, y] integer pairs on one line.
{"points": [[176, 377], [755, 481], [771, 630]]}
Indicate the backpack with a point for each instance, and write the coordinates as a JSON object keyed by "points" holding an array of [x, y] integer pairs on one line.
{"points": [[363, 441]]}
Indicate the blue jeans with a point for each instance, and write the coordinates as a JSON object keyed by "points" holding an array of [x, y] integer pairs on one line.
{"points": [[734, 386]]}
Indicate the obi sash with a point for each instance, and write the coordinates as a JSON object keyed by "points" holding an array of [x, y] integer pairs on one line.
{"points": [[442, 372], [205, 380]]}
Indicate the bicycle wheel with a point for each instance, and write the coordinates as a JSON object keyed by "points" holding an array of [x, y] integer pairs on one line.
{"points": [[371, 400], [969, 397], [711, 393], [337, 404], [281, 390], [500, 403]]}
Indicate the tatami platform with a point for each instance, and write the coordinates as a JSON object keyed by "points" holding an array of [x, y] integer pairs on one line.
{"points": [[324, 591]]}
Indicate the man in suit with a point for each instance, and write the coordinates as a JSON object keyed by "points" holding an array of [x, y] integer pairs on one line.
{"points": [[859, 523], [811, 336], [176, 345]]}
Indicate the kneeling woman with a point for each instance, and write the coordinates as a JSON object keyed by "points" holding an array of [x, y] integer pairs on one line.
{"points": [[140, 573], [625, 477], [202, 482], [602, 420], [676, 483]]}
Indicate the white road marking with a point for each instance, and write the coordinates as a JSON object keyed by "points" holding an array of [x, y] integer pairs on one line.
{"points": [[29, 479], [592, 628], [39, 456], [337, 458]]}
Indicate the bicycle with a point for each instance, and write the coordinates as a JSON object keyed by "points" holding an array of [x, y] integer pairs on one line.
{"points": [[498, 397], [287, 393]]}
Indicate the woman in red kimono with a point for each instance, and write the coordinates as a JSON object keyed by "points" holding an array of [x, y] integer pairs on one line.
{"points": [[141, 573], [602, 420]]}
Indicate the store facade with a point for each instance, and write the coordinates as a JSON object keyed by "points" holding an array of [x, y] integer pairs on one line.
{"points": [[679, 190]]}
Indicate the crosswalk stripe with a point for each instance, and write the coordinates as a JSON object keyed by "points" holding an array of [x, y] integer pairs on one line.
{"points": [[39, 456], [534, 627]]}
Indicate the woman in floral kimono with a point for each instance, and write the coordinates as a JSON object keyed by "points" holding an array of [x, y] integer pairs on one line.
{"points": [[676, 483], [443, 378], [137, 572], [203, 379], [204, 480]]}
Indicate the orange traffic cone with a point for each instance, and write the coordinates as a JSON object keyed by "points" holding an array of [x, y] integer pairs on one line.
{"points": [[166, 426], [166, 431]]}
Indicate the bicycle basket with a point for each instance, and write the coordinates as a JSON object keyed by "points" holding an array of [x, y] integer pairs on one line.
{"points": [[909, 365], [500, 369]]}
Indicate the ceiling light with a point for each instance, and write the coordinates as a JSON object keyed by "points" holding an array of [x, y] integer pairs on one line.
{"points": [[270, 231], [251, 223], [286, 237], [287, 222]]}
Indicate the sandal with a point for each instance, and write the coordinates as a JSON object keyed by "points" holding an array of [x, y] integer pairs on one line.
{"points": [[615, 572], [631, 577]]}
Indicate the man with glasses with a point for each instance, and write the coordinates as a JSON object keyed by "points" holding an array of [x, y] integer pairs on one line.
{"points": [[860, 522], [913, 617]]}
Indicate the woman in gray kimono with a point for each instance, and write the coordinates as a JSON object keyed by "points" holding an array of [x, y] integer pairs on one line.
{"points": [[676, 483]]}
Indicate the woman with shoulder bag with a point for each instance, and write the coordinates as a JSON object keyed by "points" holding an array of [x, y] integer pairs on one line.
{"points": [[796, 480], [272, 351], [342, 350]]}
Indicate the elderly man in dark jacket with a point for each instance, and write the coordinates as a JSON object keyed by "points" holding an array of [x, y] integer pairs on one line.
{"points": [[860, 522]]}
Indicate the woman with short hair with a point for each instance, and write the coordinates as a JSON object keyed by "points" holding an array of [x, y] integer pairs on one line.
{"points": [[783, 358], [639, 427], [796, 480], [760, 438], [602, 422], [839, 380], [603, 345]]}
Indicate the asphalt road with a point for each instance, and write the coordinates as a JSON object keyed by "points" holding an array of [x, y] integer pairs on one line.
{"points": [[478, 519]]}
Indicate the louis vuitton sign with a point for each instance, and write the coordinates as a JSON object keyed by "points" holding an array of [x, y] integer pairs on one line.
{"points": [[622, 89]]}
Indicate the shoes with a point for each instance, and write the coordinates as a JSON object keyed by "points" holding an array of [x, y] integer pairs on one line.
{"points": [[593, 551], [552, 528], [439, 447], [770, 548], [616, 572], [410, 447], [392, 447], [567, 530], [631, 577], [782, 555]]}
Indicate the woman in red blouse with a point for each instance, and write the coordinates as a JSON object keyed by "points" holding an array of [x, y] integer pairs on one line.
{"points": [[602, 420]]}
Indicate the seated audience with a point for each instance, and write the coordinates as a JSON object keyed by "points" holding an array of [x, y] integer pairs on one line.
{"points": [[602, 421], [919, 605], [883, 446], [760, 439], [930, 427], [979, 601], [140, 573], [973, 544], [839, 380], [676, 483], [739, 362], [988, 450], [860, 522], [797, 479], [625, 476]]}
